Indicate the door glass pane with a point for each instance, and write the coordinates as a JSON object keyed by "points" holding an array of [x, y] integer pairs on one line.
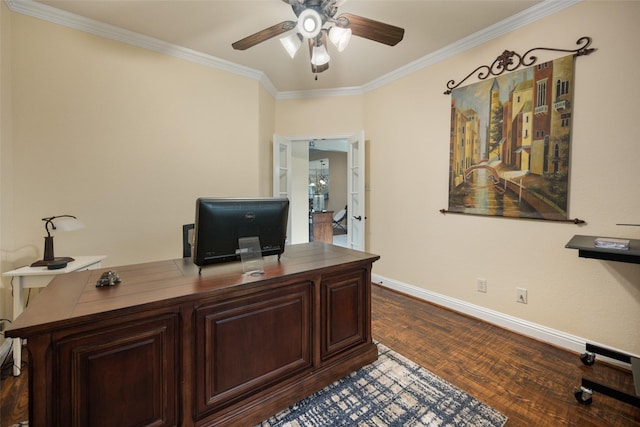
{"points": [[283, 171], [283, 157], [355, 155], [356, 192], [283, 183]]}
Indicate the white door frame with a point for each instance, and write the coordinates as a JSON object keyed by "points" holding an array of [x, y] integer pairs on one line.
{"points": [[282, 169], [356, 241], [355, 192]]}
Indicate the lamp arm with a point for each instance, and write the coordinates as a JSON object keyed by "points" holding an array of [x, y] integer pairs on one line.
{"points": [[49, 222]]}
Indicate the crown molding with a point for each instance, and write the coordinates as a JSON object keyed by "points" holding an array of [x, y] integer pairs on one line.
{"points": [[519, 20], [71, 20], [320, 93], [51, 14]]}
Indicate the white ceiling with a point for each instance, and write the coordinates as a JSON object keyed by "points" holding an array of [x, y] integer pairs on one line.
{"points": [[210, 26]]}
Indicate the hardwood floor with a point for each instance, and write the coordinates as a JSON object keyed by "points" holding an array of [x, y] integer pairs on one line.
{"points": [[529, 381], [14, 394]]}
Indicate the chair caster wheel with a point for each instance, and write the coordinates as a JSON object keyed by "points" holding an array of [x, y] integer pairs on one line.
{"points": [[588, 358], [584, 396]]}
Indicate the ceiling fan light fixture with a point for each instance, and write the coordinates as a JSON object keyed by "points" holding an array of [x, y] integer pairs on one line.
{"points": [[340, 37], [292, 43], [309, 23], [319, 56]]}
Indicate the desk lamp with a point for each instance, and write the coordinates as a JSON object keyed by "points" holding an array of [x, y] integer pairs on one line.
{"points": [[62, 223]]}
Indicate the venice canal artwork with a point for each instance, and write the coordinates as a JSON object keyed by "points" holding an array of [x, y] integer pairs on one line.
{"points": [[510, 139]]}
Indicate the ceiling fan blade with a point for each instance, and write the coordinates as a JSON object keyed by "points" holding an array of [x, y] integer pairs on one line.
{"points": [[318, 68], [374, 30], [266, 34]]}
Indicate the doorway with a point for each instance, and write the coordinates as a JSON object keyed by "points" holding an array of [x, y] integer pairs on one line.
{"points": [[328, 186], [344, 160]]}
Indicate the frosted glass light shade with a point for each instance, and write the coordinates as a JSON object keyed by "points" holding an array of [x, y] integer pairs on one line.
{"points": [[67, 223], [292, 43], [340, 37], [309, 23], [320, 56]]}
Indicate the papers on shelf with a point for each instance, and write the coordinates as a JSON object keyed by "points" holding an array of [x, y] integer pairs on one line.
{"points": [[610, 243]]}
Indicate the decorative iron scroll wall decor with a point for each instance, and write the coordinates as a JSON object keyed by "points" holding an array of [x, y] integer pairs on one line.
{"points": [[511, 135], [506, 62]]}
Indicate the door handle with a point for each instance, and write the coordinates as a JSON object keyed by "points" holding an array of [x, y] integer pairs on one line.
{"points": [[359, 218]]}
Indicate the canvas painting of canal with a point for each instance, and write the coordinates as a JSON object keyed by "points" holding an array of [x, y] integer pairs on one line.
{"points": [[510, 140]]}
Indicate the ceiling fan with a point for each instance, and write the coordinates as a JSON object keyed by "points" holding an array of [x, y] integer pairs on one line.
{"points": [[316, 22]]}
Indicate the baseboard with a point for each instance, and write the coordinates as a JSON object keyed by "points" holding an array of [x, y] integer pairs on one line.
{"points": [[533, 330]]}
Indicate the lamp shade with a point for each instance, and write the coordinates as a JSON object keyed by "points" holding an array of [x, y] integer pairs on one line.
{"points": [[320, 56], [309, 23], [67, 223], [292, 43], [340, 37]]}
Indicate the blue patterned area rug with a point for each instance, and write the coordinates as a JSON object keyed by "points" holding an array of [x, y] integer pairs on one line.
{"points": [[393, 391]]}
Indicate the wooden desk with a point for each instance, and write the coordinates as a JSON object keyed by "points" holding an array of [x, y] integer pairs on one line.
{"points": [[39, 277], [323, 226], [170, 347]]}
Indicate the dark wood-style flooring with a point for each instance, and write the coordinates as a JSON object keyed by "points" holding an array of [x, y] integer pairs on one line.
{"points": [[529, 381]]}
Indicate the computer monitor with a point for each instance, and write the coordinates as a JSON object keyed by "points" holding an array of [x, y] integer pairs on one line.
{"points": [[220, 222]]}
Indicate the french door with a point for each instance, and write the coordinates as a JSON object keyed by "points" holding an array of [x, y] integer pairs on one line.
{"points": [[284, 174], [355, 189]]}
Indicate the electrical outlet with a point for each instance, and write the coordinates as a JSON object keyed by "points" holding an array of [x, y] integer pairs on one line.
{"points": [[482, 285], [521, 295]]}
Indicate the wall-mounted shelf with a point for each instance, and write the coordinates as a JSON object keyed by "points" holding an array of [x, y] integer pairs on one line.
{"points": [[587, 249]]}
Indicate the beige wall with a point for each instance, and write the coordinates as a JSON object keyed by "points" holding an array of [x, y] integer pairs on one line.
{"points": [[6, 188], [126, 139], [319, 116], [408, 124], [266, 120]]}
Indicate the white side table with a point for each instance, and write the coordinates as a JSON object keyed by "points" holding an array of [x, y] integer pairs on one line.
{"points": [[39, 277]]}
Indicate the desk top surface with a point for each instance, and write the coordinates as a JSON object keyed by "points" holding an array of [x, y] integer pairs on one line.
{"points": [[73, 298]]}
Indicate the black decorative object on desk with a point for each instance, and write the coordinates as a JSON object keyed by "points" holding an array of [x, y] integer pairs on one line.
{"points": [[108, 278]]}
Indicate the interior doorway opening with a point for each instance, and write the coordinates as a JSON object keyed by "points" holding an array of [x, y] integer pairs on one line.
{"points": [[328, 189], [346, 171]]}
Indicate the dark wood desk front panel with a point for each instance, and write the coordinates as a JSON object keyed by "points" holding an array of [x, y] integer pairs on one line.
{"points": [[250, 342], [122, 375], [344, 318], [170, 347]]}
